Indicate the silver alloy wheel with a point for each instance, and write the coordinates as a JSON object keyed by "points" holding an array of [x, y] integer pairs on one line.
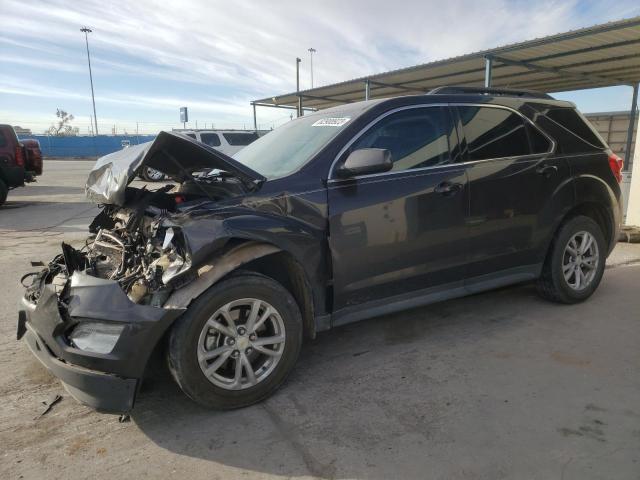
{"points": [[241, 344], [153, 174], [580, 260]]}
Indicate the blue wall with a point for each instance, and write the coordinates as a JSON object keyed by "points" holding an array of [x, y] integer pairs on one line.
{"points": [[84, 146]]}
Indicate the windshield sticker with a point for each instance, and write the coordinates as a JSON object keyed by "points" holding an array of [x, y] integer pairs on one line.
{"points": [[331, 122]]}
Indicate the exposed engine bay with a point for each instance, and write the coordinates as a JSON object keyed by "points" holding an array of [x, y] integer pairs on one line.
{"points": [[131, 247], [137, 240], [138, 245], [96, 313]]}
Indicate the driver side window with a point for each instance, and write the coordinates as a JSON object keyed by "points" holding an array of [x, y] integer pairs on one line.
{"points": [[416, 137]]}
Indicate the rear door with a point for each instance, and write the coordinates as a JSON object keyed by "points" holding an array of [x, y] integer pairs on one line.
{"points": [[398, 233], [512, 178]]}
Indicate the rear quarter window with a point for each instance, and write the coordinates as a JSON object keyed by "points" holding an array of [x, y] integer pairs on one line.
{"points": [[571, 131], [3, 139], [240, 139], [210, 139]]}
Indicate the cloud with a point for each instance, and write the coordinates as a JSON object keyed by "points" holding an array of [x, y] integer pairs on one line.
{"points": [[15, 86], [40, 63], [253, 45], [218, 53]]}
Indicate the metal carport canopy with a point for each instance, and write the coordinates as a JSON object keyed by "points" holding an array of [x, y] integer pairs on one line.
{"points": [[597, 56]]}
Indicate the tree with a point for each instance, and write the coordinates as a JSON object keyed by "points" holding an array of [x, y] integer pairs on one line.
{"points": [[63, 127]]}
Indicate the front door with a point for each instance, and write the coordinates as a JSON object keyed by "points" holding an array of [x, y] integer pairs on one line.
{"points": [[399, 233]]}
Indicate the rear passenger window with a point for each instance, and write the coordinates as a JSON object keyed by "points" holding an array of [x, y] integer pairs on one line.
{"points": [[539, 143], [210, 139], [416, 137], [493, 133], [3, 139]]}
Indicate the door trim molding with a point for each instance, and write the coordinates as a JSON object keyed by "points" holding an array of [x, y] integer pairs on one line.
{"points": [[420, 298]]}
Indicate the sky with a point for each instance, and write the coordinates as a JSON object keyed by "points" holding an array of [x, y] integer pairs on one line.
{"points": [[151, 57]]}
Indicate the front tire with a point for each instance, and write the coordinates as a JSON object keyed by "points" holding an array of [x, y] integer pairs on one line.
{"points": [[4, 191], [575, 263], [236, 343]]}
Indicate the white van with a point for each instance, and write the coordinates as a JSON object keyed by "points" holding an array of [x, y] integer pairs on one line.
{"points": [[225, 141]]}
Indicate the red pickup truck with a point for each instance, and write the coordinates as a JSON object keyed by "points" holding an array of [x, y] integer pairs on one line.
{"points": [[20, 161]]}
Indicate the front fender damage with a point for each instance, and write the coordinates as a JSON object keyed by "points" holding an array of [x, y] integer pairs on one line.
{"points": [[220, 265]]}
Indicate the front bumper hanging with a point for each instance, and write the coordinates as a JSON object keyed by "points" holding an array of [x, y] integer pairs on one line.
{"points": [[102, 391], [107, 382]]}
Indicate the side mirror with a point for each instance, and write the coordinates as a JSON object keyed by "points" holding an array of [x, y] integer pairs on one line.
{"points": [[365, 161]]}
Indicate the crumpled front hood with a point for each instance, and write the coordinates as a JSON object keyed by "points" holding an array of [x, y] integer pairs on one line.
{"points": [[174, 154]]}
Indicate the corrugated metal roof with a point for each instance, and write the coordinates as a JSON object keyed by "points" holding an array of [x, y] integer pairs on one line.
{"points": [[597, 56]]}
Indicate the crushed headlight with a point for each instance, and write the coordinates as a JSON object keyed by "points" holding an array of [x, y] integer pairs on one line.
{"points": [[96, 337]]}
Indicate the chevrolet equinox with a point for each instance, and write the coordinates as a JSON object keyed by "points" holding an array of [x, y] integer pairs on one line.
{"points": [[344, 214]]}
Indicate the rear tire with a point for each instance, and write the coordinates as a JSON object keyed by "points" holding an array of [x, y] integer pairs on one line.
{"points": [[152, 175], [4, 191], [575, 263], [221, 320]]}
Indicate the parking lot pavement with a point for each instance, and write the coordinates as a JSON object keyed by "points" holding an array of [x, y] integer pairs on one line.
{"points": [[498, 385]]}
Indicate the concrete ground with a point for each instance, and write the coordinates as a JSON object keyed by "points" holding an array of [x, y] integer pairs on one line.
{"points": [[498, 385]]}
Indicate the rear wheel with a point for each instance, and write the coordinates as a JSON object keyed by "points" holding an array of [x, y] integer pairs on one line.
{"points": [[236, 343], [575, 263], [3, 192]]}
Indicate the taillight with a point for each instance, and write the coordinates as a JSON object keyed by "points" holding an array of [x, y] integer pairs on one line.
{"points": [[19, 156], [616, 164]]}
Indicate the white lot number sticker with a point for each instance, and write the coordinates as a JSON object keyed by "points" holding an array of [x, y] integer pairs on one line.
{"points": [[331, 122]]}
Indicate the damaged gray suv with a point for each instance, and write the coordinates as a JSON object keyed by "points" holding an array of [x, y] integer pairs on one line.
{"points": [[345, 214]]}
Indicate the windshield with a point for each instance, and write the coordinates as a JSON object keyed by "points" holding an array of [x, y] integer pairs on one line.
{"points": [[287, 148]]}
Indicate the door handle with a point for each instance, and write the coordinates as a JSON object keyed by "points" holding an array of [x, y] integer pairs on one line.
{"points": [[448, 188], [546, 170]]}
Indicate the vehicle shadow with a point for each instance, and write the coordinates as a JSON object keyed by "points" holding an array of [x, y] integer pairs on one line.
{"points": [[368, 400]]}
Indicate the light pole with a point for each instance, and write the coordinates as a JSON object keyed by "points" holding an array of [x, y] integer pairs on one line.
{"points": [[311, 52], [87, 30], [298, 60]]}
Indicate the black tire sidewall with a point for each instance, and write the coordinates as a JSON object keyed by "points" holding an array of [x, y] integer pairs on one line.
{"points": [[4, 192], [183, 340], [568, 230]]}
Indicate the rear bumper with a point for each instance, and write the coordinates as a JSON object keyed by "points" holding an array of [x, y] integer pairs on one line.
{"points": [[102, 391]]}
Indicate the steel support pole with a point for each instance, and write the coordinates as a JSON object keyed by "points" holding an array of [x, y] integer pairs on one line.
{"points": [[367, 89], [632, 122], [488, 66], [255, 119]]}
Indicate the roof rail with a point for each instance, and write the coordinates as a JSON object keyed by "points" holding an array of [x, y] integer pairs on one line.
{"points": [[489, 91]]}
